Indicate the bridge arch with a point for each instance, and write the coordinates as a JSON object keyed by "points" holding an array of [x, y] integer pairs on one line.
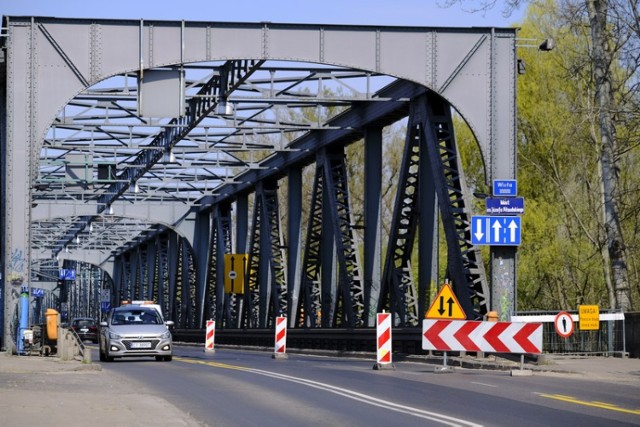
{"points": [[474, 69]]}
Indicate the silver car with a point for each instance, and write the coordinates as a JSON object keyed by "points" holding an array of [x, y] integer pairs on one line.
{"points": [[134, 331]]}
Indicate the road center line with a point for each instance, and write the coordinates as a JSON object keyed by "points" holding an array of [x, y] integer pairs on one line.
{"points": [[594, 404]]}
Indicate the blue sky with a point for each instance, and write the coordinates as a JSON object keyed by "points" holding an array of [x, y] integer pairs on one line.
{"points": [[427, 13]]}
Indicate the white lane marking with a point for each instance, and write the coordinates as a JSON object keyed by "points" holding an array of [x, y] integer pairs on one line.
{"points": [[370, 400], [360, 397], [484, 384]]}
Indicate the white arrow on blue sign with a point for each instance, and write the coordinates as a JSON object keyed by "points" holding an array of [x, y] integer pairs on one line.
{"points": [[496, 230]]}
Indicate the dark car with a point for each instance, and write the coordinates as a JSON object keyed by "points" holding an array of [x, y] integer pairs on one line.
{"points": [[86, 328]]}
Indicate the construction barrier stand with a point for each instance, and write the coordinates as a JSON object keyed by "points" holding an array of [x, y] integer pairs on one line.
{"points": [[210, 336], [280, 338], [383, 336]]}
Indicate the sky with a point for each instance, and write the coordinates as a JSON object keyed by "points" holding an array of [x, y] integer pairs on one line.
{"points": [[427, 13]]}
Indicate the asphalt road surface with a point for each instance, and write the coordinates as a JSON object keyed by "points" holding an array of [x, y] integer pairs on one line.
{"points": [[242, 388]]}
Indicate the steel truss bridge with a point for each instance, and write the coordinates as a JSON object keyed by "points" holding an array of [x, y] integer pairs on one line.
{"points": [[140, 153]]}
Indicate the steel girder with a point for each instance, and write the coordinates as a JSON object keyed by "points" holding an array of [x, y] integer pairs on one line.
{"points": [[265, 293], [226, 307], [232, 74], [333, 287], [332, 291], [430, 141], [464, 263], [472, 68], [399, 293]]}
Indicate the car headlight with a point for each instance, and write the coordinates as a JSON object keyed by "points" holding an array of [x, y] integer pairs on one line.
{"points": [[114, 336], [166, 335]]}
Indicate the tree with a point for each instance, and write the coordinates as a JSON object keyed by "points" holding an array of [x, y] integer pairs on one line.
{"points": [[613, 62]]}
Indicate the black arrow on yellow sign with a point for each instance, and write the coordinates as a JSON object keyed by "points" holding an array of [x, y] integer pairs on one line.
{"points": [[450, 303], [234, 275], [445, 306]]}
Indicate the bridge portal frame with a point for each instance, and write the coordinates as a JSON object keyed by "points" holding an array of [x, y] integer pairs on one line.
{"points": [[50, 60]]}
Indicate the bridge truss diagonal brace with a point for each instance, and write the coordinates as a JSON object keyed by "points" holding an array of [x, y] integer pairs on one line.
{"points": [[266, 296], [464, 263], [398, 293], [346, 243]]}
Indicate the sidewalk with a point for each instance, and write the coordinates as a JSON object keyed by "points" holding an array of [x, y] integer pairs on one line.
{"points": [[594, 368], [607, 369], [47, 391]]}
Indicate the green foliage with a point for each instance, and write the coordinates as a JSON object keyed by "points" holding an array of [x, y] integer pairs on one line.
{"points": [[563, 261]]}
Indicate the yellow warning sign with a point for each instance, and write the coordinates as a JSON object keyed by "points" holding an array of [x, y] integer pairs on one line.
{"points": [[445, 306], [235, 266], [589, 317]]}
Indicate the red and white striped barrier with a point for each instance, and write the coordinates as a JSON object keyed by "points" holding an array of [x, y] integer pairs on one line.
{"points": [[210, 336], [492, 337], [280, 351], [383, 337]]}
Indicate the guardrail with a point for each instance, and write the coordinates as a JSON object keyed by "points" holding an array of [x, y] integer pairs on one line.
{"points": [[405, 340], [609, 339]]}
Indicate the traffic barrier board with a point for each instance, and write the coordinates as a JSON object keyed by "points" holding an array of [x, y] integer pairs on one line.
{"points": [[493, 337]]}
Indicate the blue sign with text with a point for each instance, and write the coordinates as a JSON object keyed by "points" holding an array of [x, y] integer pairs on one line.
{"points": [[496, 230], [505, 205], [505, 187]]}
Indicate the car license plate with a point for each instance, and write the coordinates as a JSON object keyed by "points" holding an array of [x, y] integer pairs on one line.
{"points": [[84, 330], [141, 345]]}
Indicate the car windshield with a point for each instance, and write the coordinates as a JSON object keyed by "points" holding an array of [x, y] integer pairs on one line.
{"points": [[83, 322], [135, 317]]}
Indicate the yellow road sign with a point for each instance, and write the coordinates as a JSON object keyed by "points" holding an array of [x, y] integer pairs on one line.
{"points": [[589, 317], [235, 266], [445, 306]]}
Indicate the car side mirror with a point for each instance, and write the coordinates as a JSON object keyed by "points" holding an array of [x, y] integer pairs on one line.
{"points": [[169, 323], [103, 324]]}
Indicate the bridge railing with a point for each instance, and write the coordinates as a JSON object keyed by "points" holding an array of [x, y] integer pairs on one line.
{"points": [[608, 340]]}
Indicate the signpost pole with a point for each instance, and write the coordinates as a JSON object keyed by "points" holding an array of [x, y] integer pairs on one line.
{"points": [[503, 257]]}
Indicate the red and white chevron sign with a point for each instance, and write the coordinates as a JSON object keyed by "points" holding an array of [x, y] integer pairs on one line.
{"points": [[493, 337]]}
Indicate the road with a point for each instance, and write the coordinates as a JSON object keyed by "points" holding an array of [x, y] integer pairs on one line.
{"points": [[240, 388]]}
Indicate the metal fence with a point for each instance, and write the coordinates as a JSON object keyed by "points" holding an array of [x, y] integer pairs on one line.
{"points": [[608, 340]]}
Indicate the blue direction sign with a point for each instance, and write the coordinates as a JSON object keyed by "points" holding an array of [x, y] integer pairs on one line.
{"points": [[496, 230], [67, 274], [505, 205], [505, 187]]}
